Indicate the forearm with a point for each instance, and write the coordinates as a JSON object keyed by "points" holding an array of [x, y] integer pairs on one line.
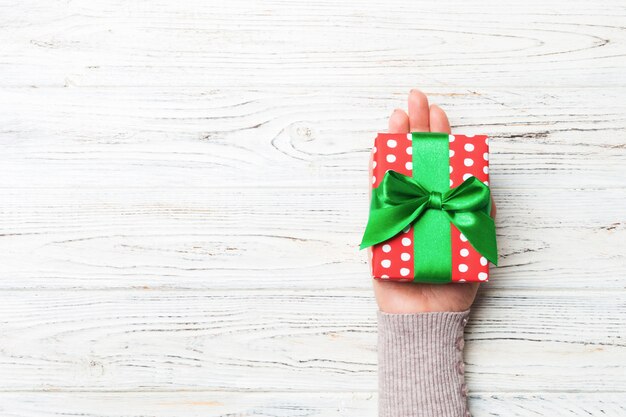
{"points": [[421, 365]]}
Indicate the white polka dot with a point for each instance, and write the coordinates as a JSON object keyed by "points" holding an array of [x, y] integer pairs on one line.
{"points": [[404, 271], [409, 136], [405, 256], [486, 170], [451, 138], [392, 143], [386, 248], [451, 183], [409, 150], [374, 164], [486, 156], [468, 162], [469, 136], [468, 147], [486, 182], [487, 141], [463, 238], [373, 180], [391, 158], [451, 153], [406, 229], [451, 169], [406, 241], [462, 267], [464, 252], [483, 261], [374, 149], [466, 176], [385, 263], [461, 280], [384, 276], [409, 165], [482, 276]]}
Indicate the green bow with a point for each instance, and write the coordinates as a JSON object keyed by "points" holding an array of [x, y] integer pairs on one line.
{"points": [[400, 200]]}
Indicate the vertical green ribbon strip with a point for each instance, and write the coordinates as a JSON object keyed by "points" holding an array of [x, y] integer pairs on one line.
{"points": [[426, 201], [432, 245]]}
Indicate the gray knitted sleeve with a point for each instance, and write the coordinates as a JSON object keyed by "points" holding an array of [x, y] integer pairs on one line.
{"points": [[420, 365]]}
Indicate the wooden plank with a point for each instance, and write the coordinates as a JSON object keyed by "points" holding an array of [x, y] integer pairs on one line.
{"points": [[269, 238], [161, 138], [218, 404], [294, 341], [128, 130], [241, 43]]}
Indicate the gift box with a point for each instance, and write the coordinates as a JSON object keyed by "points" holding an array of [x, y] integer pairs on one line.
{"points": [[430, 213]]}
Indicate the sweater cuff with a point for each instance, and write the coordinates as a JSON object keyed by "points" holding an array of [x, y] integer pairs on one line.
{"points": [[420, 365]]}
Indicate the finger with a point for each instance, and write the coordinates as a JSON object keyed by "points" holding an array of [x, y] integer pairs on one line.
{"points": [[419, 114], [398, 122], [438, 120]]}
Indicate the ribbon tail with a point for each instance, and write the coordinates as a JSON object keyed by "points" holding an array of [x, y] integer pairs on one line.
{"points": [[384, 223], [480, 230]]}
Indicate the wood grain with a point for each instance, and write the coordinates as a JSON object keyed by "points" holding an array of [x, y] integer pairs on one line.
{"points": [[183, 186], [107, 138], [218, 404], [246, 44], [293, 341], [280, 238]]}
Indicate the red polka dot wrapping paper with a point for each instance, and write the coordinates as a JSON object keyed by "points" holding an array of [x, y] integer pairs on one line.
{"points": [[468, 156]]}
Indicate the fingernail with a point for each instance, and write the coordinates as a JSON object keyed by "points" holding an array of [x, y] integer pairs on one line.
{"points": [[415, 90]]}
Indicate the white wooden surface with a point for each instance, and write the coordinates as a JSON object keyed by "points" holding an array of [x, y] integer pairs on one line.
{"points": [[183, 185]]}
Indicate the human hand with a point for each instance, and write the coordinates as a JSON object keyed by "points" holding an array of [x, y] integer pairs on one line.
{"points": [[401, 297]]}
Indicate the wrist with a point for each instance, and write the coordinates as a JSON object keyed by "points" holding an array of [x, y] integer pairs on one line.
{"points": [[407, 298]]}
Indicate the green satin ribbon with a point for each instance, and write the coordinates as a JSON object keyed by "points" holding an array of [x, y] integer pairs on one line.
{"points": [[400, 201]]}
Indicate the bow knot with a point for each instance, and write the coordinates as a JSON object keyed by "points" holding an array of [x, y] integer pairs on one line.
{"points": [[434, 200], [401, 200]]}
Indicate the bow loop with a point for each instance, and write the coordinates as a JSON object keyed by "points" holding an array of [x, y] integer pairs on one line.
{"points": [[401, 200], [397, 188], [471, 195]]}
